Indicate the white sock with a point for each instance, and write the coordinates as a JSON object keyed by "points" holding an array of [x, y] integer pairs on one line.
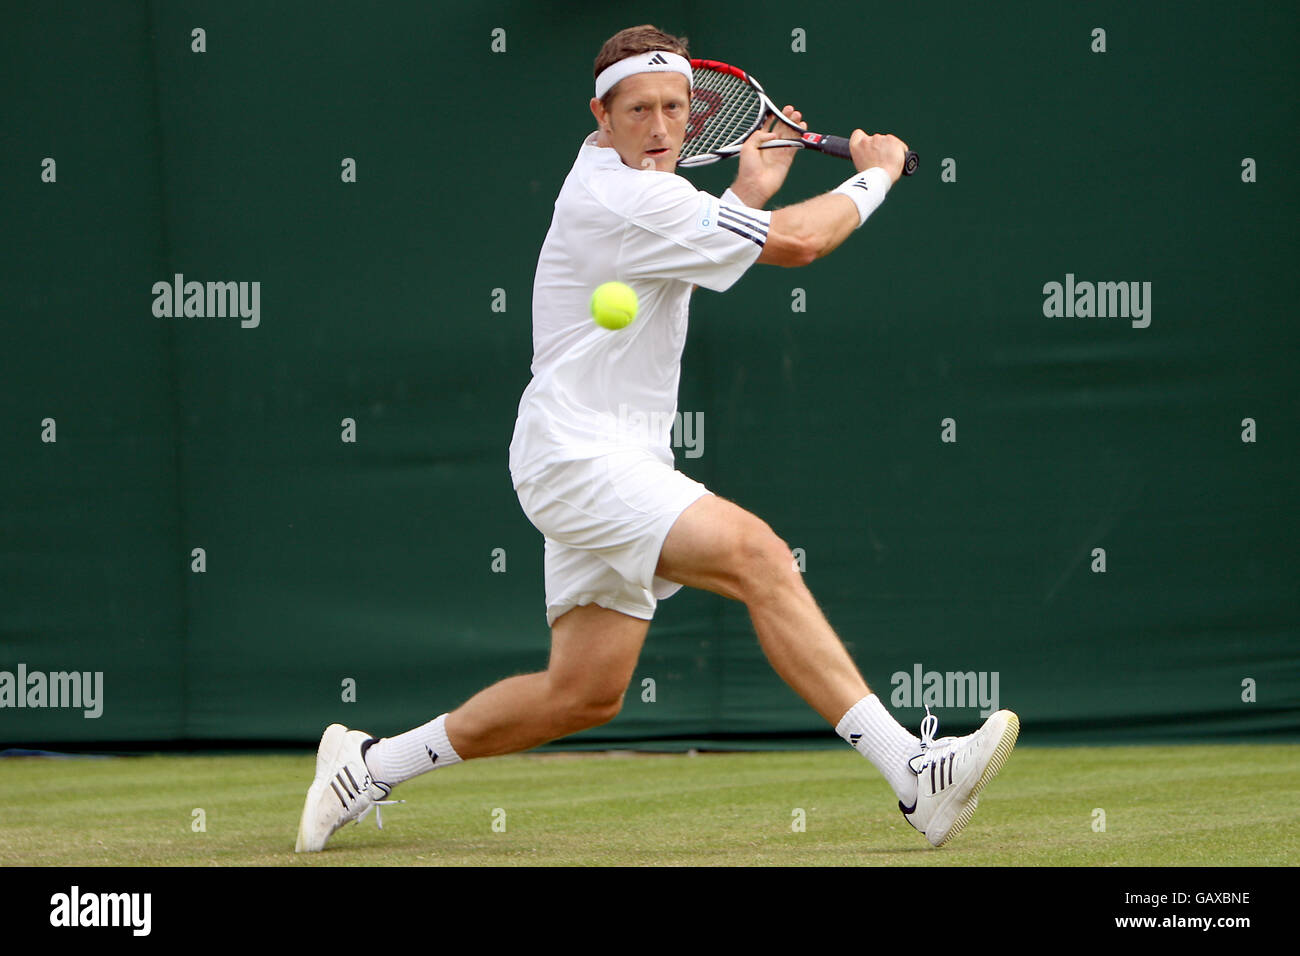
{"points": [[394, 760], [882, 740]]}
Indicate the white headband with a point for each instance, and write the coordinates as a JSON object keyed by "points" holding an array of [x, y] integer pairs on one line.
{"points": [[656, 61]]}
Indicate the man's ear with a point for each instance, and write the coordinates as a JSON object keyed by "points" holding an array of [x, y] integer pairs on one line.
{"points": [[598, 111]]}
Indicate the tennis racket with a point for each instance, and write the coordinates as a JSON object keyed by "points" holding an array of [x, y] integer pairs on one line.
{"points": [[728, 105]]}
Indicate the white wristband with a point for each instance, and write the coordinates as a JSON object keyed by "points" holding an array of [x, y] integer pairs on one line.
{"points": [[867, 190]]}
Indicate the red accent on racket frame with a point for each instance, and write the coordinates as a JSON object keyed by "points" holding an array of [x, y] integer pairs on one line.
{"points": [[720, 67]]}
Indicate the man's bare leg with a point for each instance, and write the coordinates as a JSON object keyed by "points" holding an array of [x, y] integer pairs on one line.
{"points": [[593, 654], [721, 547], [718, 546]]}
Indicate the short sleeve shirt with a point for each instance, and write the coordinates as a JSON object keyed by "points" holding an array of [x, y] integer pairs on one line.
{"points": [[595, 390]]}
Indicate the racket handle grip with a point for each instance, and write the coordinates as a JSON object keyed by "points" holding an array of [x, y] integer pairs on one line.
{"points": [[839, 146], [835, 146]]}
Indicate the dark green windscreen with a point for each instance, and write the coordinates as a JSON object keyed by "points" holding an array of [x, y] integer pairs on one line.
{"points": [[401, 301]]}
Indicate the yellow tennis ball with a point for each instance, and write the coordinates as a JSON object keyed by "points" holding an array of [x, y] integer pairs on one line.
{"points": [[613, 305]]}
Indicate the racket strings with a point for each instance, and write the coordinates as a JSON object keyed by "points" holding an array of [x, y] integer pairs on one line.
{"points": [[738, 108], [724, 111]]}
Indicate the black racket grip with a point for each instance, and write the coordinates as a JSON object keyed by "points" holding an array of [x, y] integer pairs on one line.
{"points": [[834, 146], [839, 146]]}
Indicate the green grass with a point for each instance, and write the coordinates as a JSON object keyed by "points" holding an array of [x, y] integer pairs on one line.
{"points": [[1164, 806]]}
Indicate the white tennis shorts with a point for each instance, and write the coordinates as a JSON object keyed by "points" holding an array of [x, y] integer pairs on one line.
{"points": [[605, 520]]}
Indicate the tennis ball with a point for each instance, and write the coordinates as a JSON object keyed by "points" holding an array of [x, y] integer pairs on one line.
{"points": [[613, 305]]}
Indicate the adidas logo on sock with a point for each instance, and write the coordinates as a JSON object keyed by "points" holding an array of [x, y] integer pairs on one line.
{"points": [[432, 756], [853, 740]]}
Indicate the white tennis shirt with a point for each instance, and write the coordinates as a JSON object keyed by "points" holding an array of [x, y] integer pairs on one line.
{"points": [[595, 390]]}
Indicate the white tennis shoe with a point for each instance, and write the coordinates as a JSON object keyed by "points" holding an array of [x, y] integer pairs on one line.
{"points": [[951, 772], [343, 790]]}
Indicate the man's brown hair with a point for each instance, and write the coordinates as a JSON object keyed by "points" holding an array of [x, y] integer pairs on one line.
{"points": [[632, 41]]}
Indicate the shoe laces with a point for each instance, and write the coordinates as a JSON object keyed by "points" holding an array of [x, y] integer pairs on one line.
{"points": [[376, 804], [929, 724]]}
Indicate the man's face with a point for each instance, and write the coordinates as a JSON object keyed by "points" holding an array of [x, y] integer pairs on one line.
{"points": [[646, 120]]}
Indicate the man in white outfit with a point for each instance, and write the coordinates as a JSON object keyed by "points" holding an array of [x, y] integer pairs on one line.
{"points": [[623, 529]]}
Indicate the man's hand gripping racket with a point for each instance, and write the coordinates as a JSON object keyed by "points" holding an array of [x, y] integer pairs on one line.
{"points": [[728, 105]]}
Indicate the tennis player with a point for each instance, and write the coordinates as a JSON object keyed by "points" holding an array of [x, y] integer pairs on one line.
{"points": [[623, 529]]}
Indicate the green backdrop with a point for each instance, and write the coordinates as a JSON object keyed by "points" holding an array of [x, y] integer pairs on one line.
{"points": [[373, 561]]}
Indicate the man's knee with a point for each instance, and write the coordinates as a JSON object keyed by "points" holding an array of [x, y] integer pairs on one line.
{"points": [[764, 562], [601, 710], [593, 655], [582, 707]]}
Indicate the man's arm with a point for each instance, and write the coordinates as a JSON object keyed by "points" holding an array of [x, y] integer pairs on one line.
{"points": [[804, 232]]}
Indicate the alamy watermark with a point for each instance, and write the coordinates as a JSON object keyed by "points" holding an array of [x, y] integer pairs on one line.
{"points": [[1085, 300], [75, 908], [683, 430], [946, 689], [181, 299], [78, 689]]}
